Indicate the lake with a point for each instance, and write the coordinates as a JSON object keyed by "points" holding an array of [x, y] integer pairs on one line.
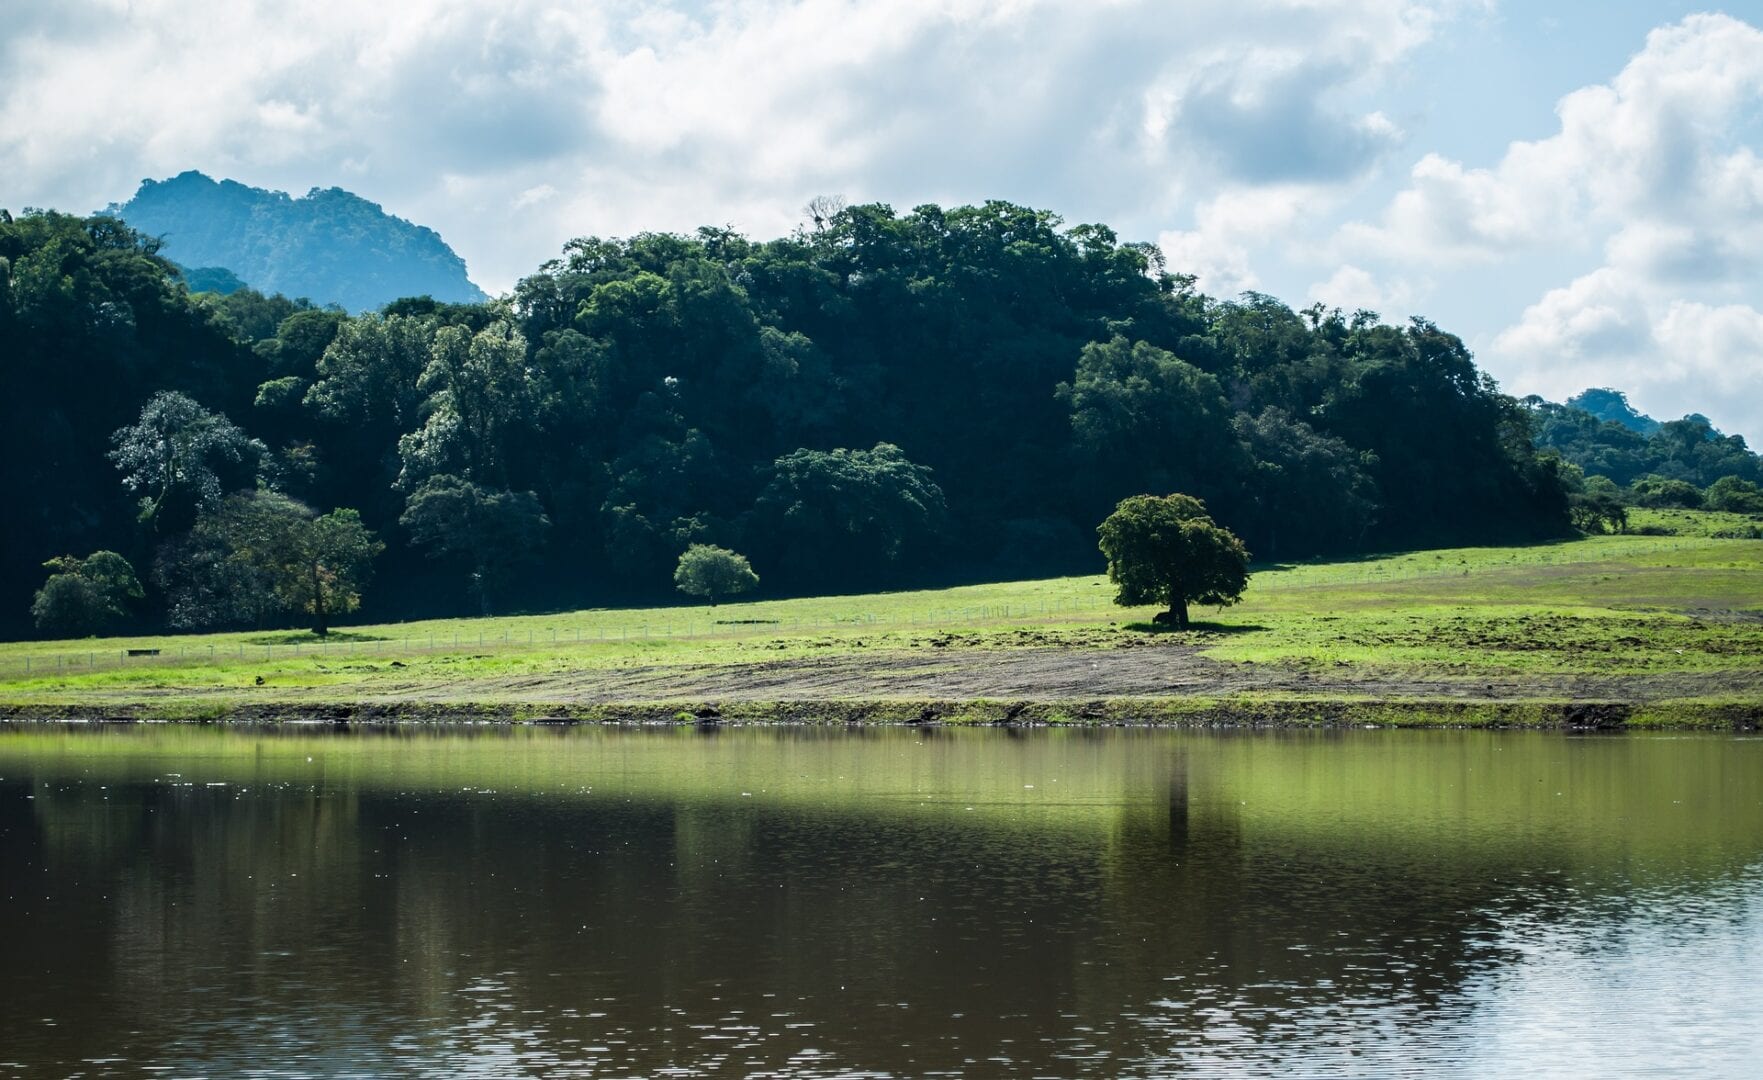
{"points": [[799, 902]]}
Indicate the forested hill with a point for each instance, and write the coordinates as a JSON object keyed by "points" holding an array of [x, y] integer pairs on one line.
{"points": [[1603, 435], [885, 399], [329, 246]]}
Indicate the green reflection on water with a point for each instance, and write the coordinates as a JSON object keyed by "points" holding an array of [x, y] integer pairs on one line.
{"points": [[1689, 796], [914, 898]]}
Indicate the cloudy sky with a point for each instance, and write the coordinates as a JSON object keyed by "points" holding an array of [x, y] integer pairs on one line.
{"points": [[1574, 186]]}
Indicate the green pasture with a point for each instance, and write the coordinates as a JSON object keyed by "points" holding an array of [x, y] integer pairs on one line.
{"points": [[1615, 605]]}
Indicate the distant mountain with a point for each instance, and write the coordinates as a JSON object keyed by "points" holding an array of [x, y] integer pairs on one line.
{"points": [[215, 279], [1607, 404], [1599, 431], [330, 246]]}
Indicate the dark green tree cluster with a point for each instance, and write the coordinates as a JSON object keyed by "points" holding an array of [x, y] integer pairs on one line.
{"points": [[1632, 446], [877, 399], [85, 596]]}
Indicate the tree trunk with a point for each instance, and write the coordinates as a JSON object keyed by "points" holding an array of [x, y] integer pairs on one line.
{"points": [[1178, 610], [319, 623]]}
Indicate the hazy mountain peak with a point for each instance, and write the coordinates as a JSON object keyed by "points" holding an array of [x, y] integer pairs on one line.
{"points": [[329, 245]]}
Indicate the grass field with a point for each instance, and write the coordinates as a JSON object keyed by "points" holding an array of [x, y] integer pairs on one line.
{"points": [[1666, 626]]}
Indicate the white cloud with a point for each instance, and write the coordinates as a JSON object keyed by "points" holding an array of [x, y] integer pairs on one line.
{"points": [[1650, 179], [534, 195], [1673, 356], [1226, 230], [667, 115], [1655, 143], [1352, 288]]}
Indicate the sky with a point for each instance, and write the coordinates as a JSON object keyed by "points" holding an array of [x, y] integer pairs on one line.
{"points": [[1573, 186]]}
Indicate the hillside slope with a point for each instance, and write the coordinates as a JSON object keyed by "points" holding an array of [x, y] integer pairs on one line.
{"points": [[329, 246]]}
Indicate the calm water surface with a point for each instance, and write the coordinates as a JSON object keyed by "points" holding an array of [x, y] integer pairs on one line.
{"points": [[205, 902]]}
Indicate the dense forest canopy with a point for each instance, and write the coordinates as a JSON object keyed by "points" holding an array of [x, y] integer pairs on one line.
{"points": [[880, 399], [1603, 435], [329, 245]]}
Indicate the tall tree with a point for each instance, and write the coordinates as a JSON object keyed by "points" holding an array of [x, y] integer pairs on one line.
{"points": [[493, 531], [479, 399], [179, 456], [315, 564], [845, 515]]}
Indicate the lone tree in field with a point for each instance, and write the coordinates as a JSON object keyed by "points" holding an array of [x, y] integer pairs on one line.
{"points": [[1168, 550], [713, 573]]}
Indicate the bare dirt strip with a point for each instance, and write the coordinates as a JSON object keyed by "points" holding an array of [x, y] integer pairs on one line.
{"points": [[1040, 675]]}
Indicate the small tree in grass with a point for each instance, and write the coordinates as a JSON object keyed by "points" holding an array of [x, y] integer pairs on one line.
{"points": [[1168, 550], [713, 573]]}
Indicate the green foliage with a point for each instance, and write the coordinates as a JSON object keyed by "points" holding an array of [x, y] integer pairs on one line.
{"points": [[493, 531], [179, 454], [1624, 446], [478, 401], [368, 371], [1167, 550], [84, 596], [281, 395], [211, 279], [1611, 406], [1658, 491], [846, 514], [1015, 377], [1733, 495], [1308, 491], [1158, 421], [258, 554], [714, 573], [1596, 512]]}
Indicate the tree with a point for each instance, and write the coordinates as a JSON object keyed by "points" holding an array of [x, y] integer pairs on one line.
{"points": [[177, 451], [1147, 417], [1167, 550], [1597, 511], [314, 564], [713, 573], [1732, 494], [1658, 491], [206, 586], [493, 530], [1309, 490], [83, 596], [479, 398], [837, 516]]}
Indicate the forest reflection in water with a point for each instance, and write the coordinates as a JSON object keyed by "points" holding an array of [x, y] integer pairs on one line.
{"points": [[803, 902]]}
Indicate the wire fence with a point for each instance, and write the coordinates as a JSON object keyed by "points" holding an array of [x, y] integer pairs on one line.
{"points": [[351, 644]]}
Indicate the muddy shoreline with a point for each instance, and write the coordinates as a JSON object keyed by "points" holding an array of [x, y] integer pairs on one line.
{"points": [[1165, 684], [1107, 712]]}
